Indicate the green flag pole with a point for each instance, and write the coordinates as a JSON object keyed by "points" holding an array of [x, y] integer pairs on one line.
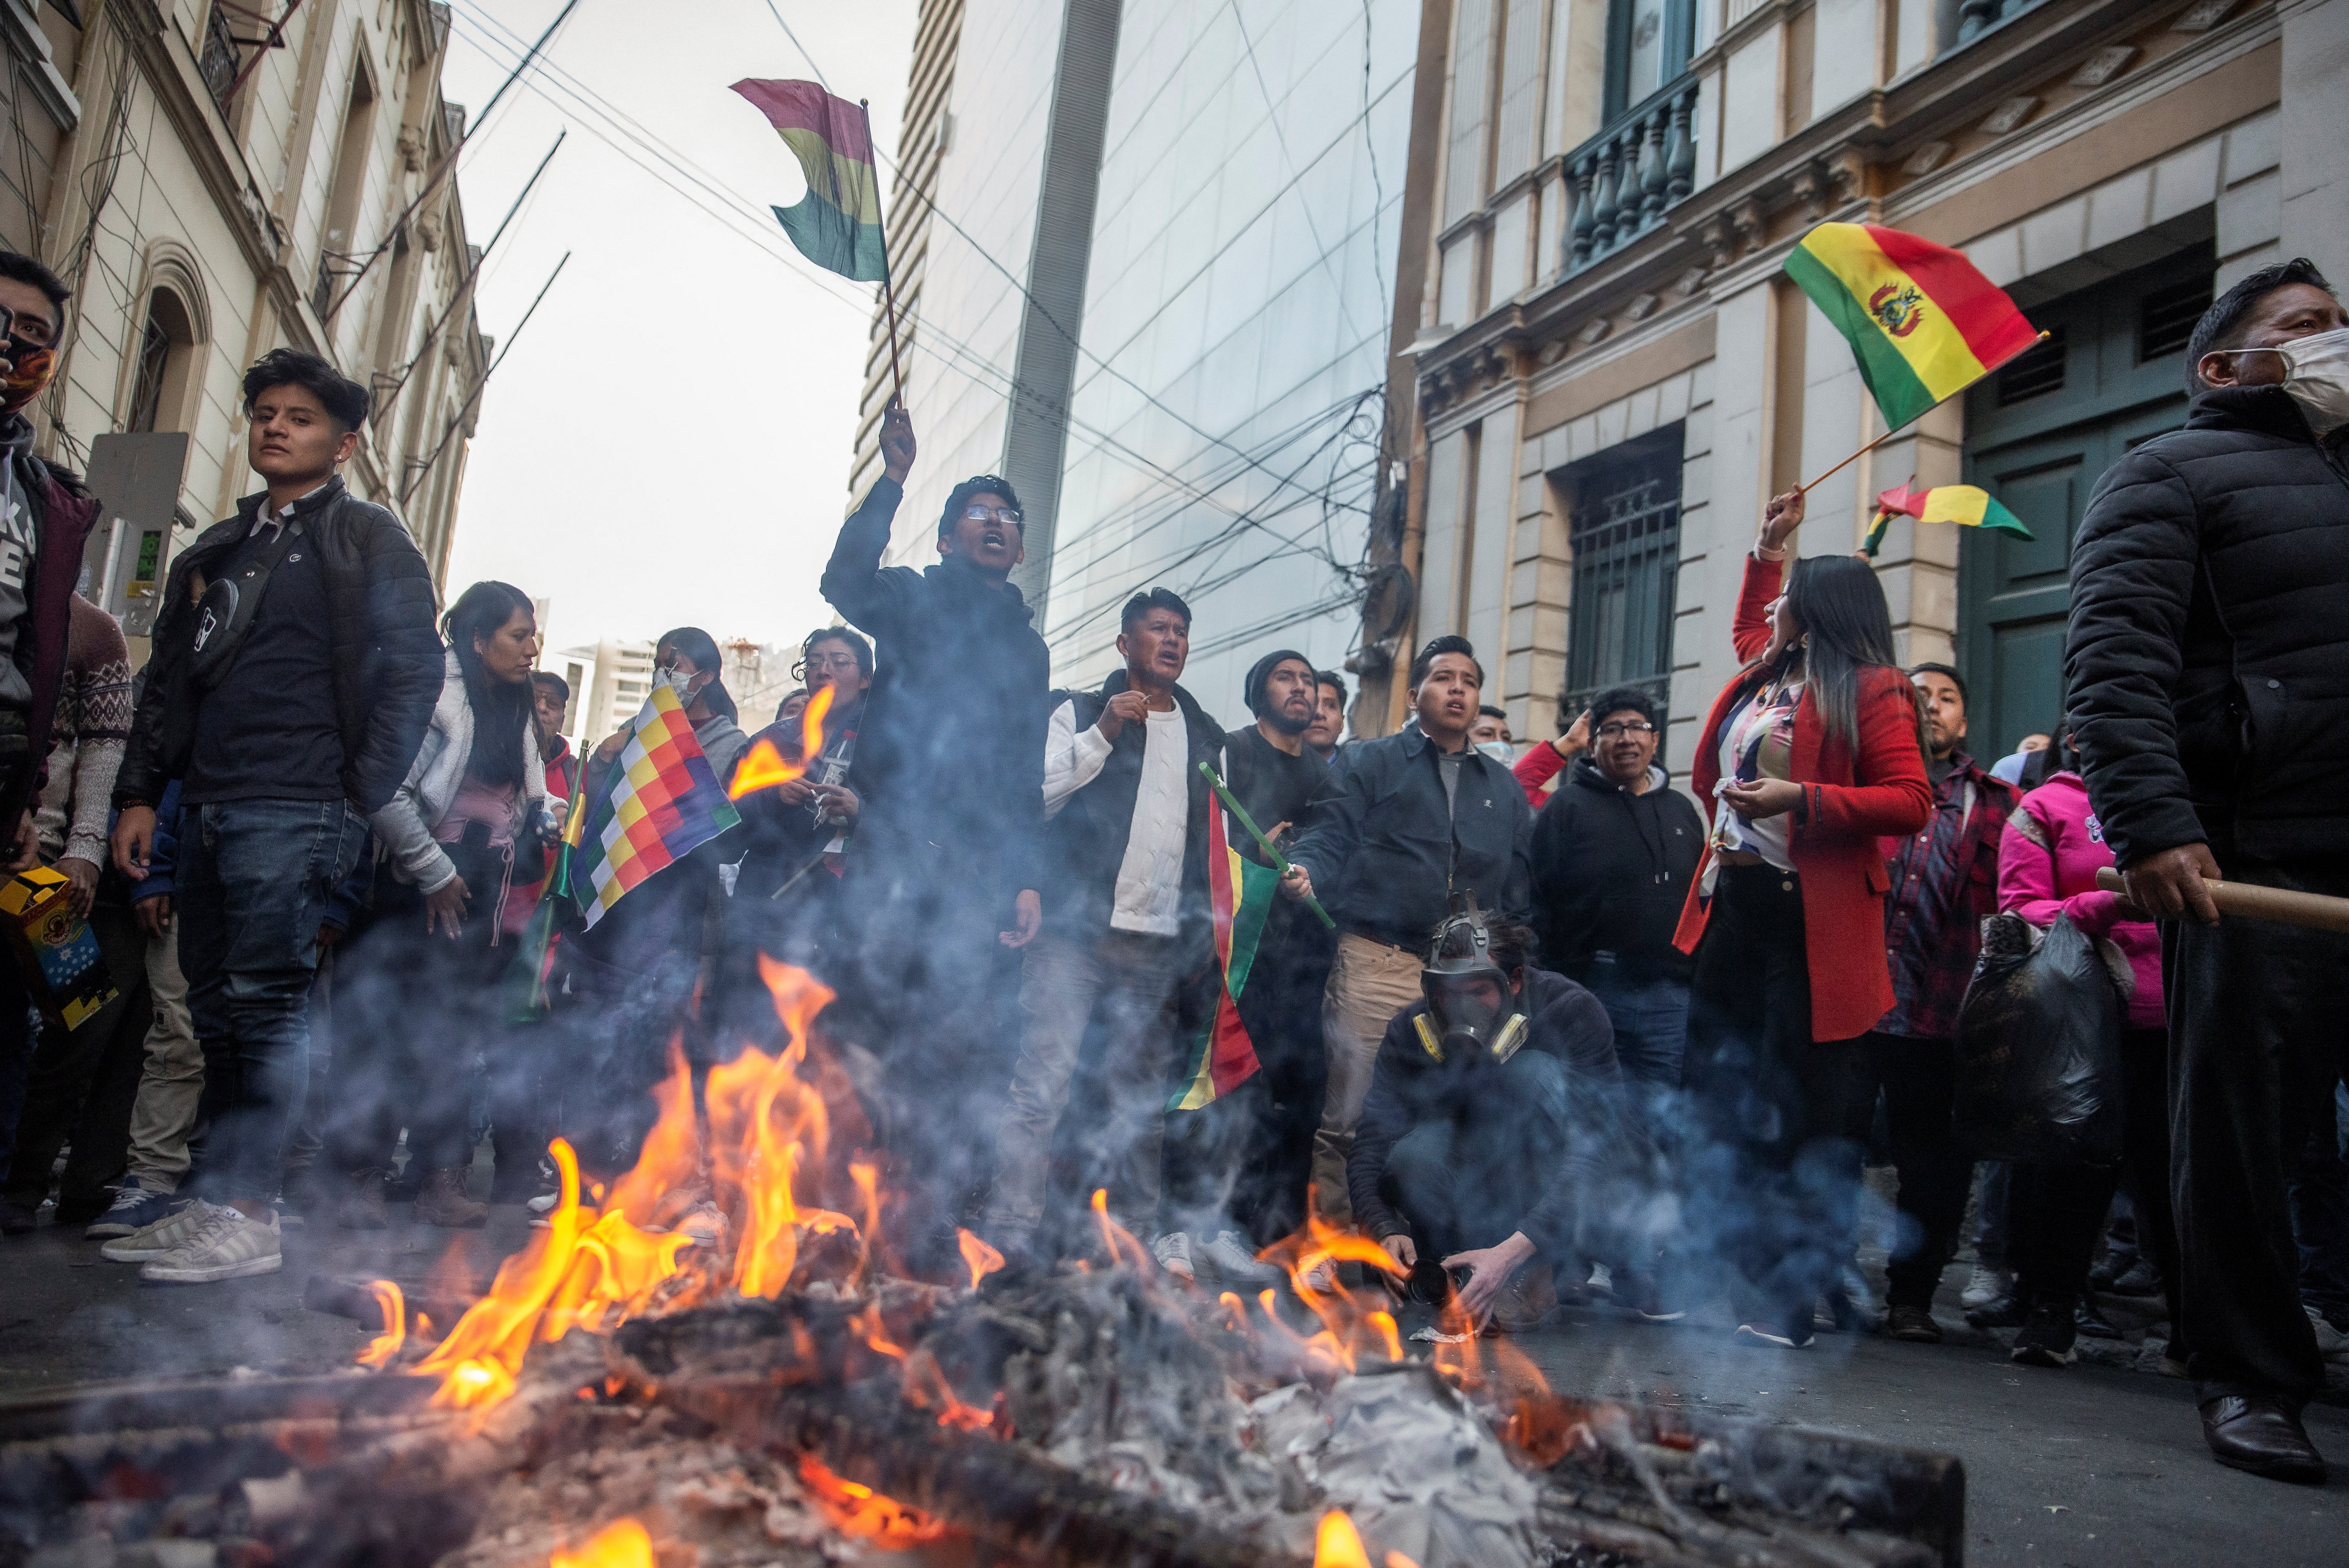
{"points": [[1280, 862]]}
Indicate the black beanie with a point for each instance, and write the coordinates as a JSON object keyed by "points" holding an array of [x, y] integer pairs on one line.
{"points": [[1252, 690]]}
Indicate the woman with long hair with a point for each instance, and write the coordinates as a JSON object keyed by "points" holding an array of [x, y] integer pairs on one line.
{"points": [[419, 1001], [1810, 755]]}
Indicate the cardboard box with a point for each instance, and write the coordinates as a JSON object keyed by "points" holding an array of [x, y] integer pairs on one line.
{"points": [[55, 947]]}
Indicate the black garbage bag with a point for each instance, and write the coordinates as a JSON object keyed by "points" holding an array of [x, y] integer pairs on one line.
{"points": [[2039, 1049]]}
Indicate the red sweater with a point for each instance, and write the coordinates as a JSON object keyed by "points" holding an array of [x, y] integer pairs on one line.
{"points": [[1848, 802]]}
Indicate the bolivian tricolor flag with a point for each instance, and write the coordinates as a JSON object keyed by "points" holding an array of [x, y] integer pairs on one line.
{"points": [[837, 224], [659, 801], [1968, 506], [1240, 891], [1924, 324]]}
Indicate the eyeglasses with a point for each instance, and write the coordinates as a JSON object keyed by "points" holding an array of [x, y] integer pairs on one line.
{"points": [[1617, 731], [1009, 514]]}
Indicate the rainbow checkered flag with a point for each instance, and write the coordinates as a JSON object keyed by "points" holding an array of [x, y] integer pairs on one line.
{"points": [[660, 802], [1240, 891]]}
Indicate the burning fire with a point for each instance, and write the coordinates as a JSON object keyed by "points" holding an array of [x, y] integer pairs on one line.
{"points": [[764, 767], [394, 1307], [595, 1268], [623, 1544], [1337, 1545], [859, 1510], [1348, 1329], [978, 1256]]}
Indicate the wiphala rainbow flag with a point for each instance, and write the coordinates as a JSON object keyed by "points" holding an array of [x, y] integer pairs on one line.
{"points": [[1240, 892], [661, 801]]}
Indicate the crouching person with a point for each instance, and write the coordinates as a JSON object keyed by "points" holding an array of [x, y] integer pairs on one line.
{"points": [[1494, 1141]]}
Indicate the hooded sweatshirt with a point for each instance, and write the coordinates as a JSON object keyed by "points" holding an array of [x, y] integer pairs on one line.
{"points": [[1610, 870], [2047, 866]]}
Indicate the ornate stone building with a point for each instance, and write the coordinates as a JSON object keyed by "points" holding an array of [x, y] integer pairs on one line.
{"points": [[217, 178], [1612, 374]]}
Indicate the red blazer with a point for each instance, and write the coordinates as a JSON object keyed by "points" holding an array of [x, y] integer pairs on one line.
{"points": [[1847, 804]]}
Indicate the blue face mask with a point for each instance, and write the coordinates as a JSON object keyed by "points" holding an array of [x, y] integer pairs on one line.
{"points": [[1500, 752]]}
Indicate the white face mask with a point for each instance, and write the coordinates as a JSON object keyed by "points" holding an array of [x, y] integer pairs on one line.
{"points": [[1500, 752], [2316, 374], [679, 681]]}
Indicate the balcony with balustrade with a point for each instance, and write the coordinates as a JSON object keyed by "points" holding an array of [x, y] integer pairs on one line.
{"points": [[1625, 178]]}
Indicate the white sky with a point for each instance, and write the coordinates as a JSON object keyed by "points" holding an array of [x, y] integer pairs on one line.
{"points": [[668, 443]]}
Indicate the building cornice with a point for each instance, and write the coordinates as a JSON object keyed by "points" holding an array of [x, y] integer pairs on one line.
{"points": [[171, 69], [49, 86]]}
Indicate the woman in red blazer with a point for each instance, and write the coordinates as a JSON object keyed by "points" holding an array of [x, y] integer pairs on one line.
{"points": [[1810, 755]]}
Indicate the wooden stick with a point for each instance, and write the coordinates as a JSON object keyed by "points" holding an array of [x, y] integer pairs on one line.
{"points": [[2249, 900], [1280, 862], [888, 289], [1938, 402]]}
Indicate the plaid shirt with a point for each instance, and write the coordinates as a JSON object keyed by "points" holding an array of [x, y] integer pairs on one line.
{"points": [[1944, 881]]}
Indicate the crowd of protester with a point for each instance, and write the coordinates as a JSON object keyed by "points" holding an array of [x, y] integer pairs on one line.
{"points": [[1532, 1019]]}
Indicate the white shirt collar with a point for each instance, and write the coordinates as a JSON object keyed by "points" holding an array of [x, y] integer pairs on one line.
{"points": [[278, 519]]}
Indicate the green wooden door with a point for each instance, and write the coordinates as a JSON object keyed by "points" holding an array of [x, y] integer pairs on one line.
{"points": [[2038, 436]]}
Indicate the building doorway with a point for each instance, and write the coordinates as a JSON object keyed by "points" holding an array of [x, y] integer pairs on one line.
{"points": [[2038, 434]]}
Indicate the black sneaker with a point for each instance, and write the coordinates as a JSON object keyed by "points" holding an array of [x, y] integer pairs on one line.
{"points": [[2006, 1312], [2139, 1279], [1913, 1325], [2047, 1340], [2089, 1320]]}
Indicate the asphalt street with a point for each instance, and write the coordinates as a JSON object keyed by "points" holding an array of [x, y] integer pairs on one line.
{"points": [[2096, 1464]]}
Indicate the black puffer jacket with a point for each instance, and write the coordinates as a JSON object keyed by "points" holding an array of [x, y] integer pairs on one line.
{"points": [[387, 655], [1610, 870], [2207, 657]]}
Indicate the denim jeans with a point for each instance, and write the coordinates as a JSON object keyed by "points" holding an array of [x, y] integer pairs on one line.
{"points": [[254, 880], [2319, 1190], [1651, 1020], [1468, 1182]]}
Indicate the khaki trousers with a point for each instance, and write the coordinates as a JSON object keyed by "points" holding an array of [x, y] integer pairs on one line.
{"points": [[173, 1080], [1370, 983]]}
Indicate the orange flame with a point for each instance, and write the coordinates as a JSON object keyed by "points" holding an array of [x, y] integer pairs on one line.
{"points": [[859, 1510], [671, 1159], [765, 767], [622, 1543], [1397, 1560], [1350, 1329], [1337, 1545], [379, 1350], [978, 1256], [764, 1119], [1383, 1325], [1116, 1237]]}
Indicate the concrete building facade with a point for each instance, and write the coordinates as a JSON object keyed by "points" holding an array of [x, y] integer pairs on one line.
{"points": [[1612, 374], [216, 180]]}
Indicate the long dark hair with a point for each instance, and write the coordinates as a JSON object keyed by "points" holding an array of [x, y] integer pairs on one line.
{"points": [[501, 712], [1846, 628], [702, 648]]}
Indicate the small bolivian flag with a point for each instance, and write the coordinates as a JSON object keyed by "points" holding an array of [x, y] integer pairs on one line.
{"points": [[1922, 321], [1239, 893], [1968, 506], [837, 224]]}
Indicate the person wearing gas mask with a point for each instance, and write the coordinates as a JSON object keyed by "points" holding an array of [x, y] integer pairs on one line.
{"points": [[2210, 630], [45, 516], [1492, 1144], [296, 667]]}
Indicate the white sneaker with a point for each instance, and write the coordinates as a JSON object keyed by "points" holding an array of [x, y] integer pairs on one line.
{"points": [[1172, 1251], [1228, 1258], [156, 1237], [1987, 1283], [226, 1245], [2331, 1343], [1602, 1281]]}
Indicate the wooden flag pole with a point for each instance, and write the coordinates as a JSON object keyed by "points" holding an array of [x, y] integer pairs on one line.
{"points": [[2250, 901], [1804, 490], [888, 290]]}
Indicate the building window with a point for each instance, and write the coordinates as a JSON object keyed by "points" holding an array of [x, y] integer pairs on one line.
{"points": [[341, 239], [166, 356], [1625, 537], [219, 61], [1648, 45]]}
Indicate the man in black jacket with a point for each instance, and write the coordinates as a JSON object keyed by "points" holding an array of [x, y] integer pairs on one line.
{"points": [[44, 517], [1493, 1137], [1404, 823], [1125, 919], [295, 671], [1613, 853], [949, 774], [2206, 660]]}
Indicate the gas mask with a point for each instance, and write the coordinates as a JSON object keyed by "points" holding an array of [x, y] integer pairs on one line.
{"points": [[1472, 1014], [2316, 375]]}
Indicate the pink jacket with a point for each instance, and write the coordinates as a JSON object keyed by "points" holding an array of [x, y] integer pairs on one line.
{"points": [[2047, 866]]}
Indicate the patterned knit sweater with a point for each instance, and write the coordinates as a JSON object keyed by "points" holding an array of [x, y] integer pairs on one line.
{"points": [[93, 722]]}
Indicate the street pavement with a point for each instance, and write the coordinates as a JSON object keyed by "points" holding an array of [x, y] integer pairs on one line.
{"points": [[2093, 1465]]}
